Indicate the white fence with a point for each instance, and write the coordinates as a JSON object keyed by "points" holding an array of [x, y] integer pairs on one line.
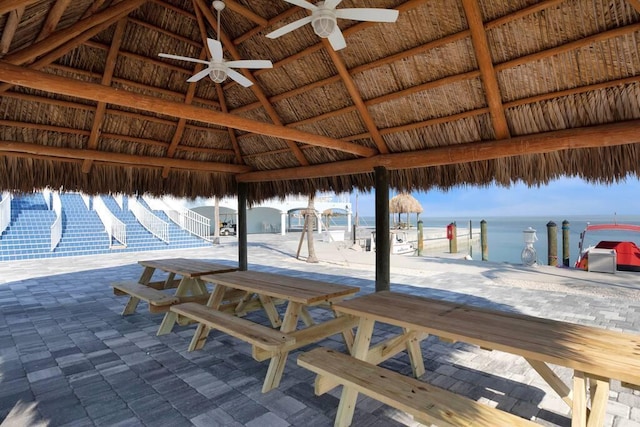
{"points": [[115, 228], [56, 227], [5, 211], [186, 219], [152, 223]]}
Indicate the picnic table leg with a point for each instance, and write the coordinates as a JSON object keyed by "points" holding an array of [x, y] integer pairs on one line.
{"points": [[168, 283], [579, 409], [276, 365], [271, 311], [132, 304], [415, 353], [170, 317], [599, 388], [202, 332], [349, 395]]}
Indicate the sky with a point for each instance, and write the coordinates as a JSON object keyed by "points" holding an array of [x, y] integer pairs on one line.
{"points": [[566, 196]]}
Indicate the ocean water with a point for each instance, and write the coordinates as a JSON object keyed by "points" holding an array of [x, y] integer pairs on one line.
{"points": [[505, 234]]}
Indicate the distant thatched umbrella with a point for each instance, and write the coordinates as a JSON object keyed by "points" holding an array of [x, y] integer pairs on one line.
{"points": [[405, 203]]}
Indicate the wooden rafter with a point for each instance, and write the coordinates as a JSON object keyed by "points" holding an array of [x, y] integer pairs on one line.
{"points": [[110, 65], [354, 92], [61, 37], [13, 20], [635, 4], [255, 88], [118, 158], [589, 137], [9, 5], [53, 18], [487, 71], [93, 8], [250, 15], [55, 84]]}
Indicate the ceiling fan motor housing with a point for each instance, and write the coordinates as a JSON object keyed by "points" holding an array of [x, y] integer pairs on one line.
{"points": [[323, 22], [218, 74]]}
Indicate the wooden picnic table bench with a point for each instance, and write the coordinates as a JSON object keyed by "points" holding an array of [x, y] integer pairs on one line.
{"points": [[596, 355], [188, 288], [299, 294]]}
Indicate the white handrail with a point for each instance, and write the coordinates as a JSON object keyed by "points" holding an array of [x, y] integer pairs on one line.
{"points": [[119, 199], [56, 227], [5, 211], [46, 193], [86, 199], [191, 221], [115, 228], [152, 223]]}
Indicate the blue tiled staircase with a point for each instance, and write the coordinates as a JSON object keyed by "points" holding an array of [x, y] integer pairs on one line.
{"points": [[29, 233]]}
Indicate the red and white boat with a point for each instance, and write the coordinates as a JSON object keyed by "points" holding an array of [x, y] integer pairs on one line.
{"points": [[627, 252]]}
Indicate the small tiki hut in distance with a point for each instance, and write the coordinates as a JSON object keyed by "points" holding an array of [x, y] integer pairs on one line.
{"points": [[405, 203]]}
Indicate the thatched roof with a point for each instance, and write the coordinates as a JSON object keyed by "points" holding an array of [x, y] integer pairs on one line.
{"points": [[456, 92], [404, 203]]}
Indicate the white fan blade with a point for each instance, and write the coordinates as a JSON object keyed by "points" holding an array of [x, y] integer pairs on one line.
{"points": [[303, 4], [215, 49], [336, 39], [182, 58], [368, 14], [199, 76], [239, 78], [332, 4], [250, 63], [289, 27]]}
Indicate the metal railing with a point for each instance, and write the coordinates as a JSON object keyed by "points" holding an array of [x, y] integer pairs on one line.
{"points": [[152, 223], [86, 199], [119, 199], [191, 221], [46, 193], [115, 228], [5, 211], [56, 227]]}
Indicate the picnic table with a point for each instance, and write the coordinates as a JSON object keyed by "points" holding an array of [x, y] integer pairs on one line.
{"points": [[188, 287], [596, 356], [268, 343]]}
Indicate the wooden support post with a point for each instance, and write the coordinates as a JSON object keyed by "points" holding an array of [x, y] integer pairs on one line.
{"points": [[453, 242], [383, 245], [243, 191], [552, 243], [484, 246], [420, 238], [565, 244]]}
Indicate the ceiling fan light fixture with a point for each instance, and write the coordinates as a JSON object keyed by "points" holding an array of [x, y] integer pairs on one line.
{"points": [[218, 75], [323, 22]]}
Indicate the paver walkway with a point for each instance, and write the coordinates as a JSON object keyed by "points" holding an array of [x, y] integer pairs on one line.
{"points": [[64, 345]]}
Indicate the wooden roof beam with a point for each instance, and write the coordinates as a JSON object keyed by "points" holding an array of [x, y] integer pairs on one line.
{"points": [[84, 90], [588, 137], [53, 18], [249, 14], [354, 92], [10, 28], [487, 71], [109, 66], [120, 158], [97, 4], [635, 4], [9, 5]]}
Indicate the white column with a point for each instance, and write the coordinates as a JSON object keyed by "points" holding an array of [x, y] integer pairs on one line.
{"points": [[319, 220], [283, 223], [349, 220]]}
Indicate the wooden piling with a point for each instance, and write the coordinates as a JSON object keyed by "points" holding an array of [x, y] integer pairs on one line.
{"points": [[565, 244], [483, 240], [552, 245], [420, 238], [453, 242]]}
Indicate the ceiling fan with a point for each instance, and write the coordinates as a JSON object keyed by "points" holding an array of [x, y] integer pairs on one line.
{"points": [[323, 19], [217, 68]]}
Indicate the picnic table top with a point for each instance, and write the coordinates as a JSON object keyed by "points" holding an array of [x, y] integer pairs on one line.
{"points": [[187, 267], [304, 291], [593, 350]]}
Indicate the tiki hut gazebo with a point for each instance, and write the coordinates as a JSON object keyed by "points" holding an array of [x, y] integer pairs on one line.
{"points": [[455, 92], [405, 203]]}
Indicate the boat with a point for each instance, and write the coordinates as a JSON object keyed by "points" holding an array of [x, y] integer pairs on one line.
{"points": [[627, 253]]}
